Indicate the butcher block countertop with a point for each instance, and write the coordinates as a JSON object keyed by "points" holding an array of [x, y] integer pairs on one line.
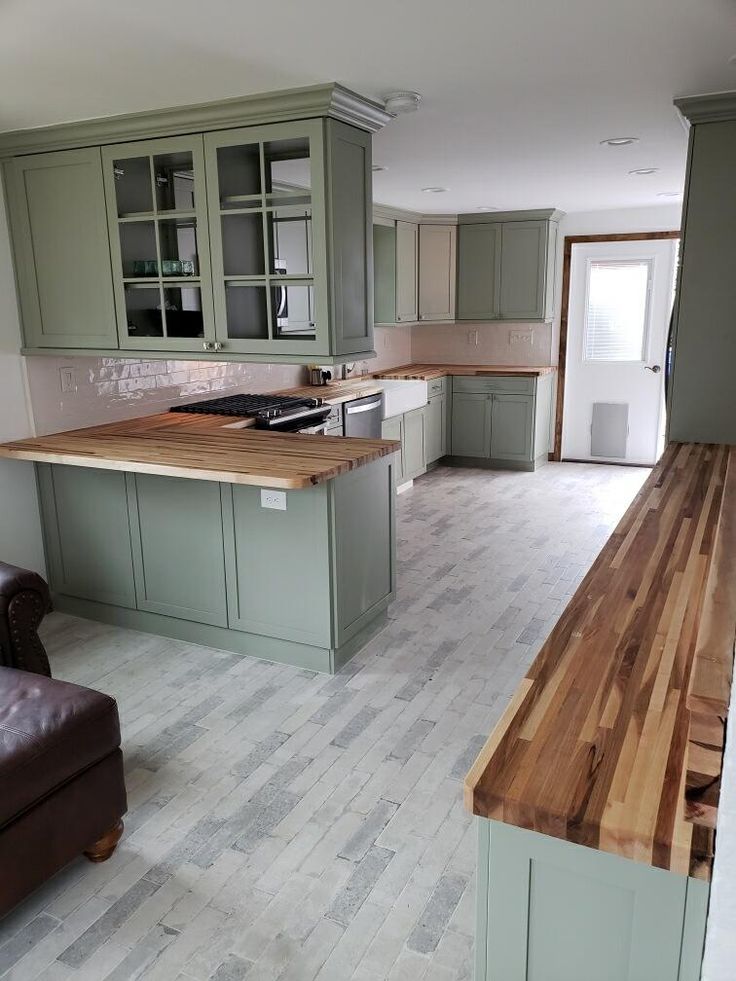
{"points": [[204, 447], [614, 738], [426, 372]]}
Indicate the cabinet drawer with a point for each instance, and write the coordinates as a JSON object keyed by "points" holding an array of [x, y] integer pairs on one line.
{"points": [[496, 384], [437, 386]]}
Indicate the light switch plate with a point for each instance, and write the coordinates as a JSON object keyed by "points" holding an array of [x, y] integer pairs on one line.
{"points": [[273, 499], [67, 379]]}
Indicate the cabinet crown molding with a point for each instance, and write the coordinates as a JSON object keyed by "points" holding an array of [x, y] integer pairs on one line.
{"points": [[330, 101], [490, 217], [712, 107]]}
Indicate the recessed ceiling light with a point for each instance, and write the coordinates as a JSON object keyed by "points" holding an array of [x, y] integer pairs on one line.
{"points": [[400, 102], [644, 171], [434, 190], [377, 168], [669, 194], [620, 141], [485, 207]]}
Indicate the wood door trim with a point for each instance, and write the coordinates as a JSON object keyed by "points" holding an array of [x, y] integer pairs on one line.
{"points": [[571, 240]]}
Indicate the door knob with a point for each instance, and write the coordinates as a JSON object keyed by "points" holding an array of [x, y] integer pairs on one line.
{"points": [[655, 368]]}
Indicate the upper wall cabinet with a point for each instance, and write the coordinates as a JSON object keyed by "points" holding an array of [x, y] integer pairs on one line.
{"points": [[235, 240], [407, 253], [56, 205], [506, 266], [157, 218], [437, 245]]}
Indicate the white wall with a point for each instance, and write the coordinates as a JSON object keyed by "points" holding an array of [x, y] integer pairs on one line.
{"points": [[20, 528]]}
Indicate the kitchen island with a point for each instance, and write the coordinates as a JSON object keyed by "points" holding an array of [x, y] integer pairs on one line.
{"points": [[597, 792], [200, 528]]}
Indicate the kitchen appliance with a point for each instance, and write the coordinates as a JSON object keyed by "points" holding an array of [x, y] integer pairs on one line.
{"points": [[279, 413], [363, 417], [319, 375]]}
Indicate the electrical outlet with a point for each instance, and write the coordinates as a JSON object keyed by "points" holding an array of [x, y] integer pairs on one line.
{"points": [[68, 379], [273, 499], [473, 338], [521, 337]]}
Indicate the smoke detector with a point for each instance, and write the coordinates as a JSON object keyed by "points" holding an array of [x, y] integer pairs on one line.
{"points": [[397, 103]]}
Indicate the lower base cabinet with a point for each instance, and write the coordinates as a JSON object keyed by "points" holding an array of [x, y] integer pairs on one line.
{"points": [[410, 430], [393, 428], [549, 910], [205, 562], [435, 426]]}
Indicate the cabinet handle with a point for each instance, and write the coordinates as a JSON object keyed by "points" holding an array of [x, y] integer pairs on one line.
{"points": [[207, 345], [218, 346]]}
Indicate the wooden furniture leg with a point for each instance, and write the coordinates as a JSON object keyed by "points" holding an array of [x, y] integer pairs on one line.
{"points": [[103, 849]]}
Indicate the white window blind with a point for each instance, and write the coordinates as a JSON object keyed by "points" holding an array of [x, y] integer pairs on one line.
{"points": [[617, 309]]}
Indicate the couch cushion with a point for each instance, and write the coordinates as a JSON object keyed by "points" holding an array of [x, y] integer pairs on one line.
{"points": [[49, 732]]}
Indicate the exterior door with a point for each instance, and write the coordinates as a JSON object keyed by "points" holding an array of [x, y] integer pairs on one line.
{"points": [[619, 310]]}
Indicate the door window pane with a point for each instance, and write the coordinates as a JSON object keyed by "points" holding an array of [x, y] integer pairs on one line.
{"points": [[183, 306], [178, 242], [143, 311], [247, 313], [174, 179], [293, 310], [133, 191], [138, 249], [290, 231], [617, 310], [242, 245], [238, 174]]}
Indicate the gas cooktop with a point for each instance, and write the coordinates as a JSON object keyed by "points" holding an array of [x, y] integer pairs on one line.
{"points": [[284, 412]]}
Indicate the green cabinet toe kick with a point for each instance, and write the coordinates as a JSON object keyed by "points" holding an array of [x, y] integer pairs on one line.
{"points": [[305, 583], [549, 910]]}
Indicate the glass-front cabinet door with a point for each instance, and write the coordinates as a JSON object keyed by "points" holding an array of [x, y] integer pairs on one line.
{"points": [[159, 242], [267, 233]]}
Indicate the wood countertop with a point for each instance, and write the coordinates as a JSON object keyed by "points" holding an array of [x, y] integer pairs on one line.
{"points": [[605, 734], [203, 447], [426, 372]]}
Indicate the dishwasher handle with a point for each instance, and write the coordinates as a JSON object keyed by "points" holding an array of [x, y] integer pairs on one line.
{"points": [[362, 408]]}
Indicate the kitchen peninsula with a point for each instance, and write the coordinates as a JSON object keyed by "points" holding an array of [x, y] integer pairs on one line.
{"points": [[597, 792], [277, 545]]}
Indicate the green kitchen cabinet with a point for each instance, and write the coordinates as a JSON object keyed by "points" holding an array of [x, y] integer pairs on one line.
{"points": [[471, 425], [549, 910], [384, 273], [437, 272], [393, 428], [502, 420], [512, 427], [56, 206], [157, 223], [407, 284], [415, 459], [478, 271], [395, 265], [289, 210], [506, 266], [435, 428], [178, 551], [87, 533]]}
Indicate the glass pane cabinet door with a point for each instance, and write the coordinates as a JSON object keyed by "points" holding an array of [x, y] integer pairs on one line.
{"points": [[160, 244], [263, 226]]}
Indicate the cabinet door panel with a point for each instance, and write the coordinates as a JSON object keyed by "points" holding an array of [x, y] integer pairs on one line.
{"points": [[437, 273], [57, 210], [470, 425], [384, 273], [87, 531], [523, 270], [512, 426], [159, 243], [394, 429], [436, 431], [414, 445], [407, 238], [479, 270], [178, 548]]}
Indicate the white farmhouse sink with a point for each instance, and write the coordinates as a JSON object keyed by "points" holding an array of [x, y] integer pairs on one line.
{"points": [[402, 394]]}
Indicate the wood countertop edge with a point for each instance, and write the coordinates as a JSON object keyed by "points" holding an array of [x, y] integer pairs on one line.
{"points": [[681, 839], [426, 372]]}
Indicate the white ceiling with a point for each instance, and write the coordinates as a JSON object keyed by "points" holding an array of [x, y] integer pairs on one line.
{"points": [[517, 93]]}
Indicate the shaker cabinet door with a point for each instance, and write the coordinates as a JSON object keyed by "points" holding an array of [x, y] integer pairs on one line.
{"points": [[479, 271], [407, 251], [471, 431], [436, 428], [523, 270], [512, 427], [437, 273], [56, 204]]}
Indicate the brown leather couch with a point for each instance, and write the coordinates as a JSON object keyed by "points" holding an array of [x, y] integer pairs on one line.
{"points": [[62, 791]]}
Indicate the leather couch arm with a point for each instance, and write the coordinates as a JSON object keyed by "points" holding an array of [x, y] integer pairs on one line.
{"points": [[24, 602]]}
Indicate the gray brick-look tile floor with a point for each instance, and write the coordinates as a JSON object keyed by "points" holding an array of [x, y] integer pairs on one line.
{"points": [[287, 825]]}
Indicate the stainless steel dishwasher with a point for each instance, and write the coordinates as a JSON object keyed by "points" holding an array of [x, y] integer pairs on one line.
{"points": [[363, 417]]}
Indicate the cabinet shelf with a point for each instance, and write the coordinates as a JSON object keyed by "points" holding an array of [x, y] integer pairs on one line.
{"points": [[134, 216], [166, 280]]}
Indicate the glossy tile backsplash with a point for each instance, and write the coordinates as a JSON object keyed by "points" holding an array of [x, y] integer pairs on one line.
{"points": [[109, 389]]}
